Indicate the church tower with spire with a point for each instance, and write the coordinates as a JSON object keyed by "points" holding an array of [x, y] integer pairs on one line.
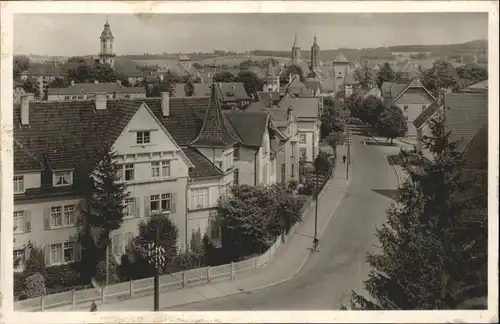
{"points": [[107, 54], [315, 55], [295, 51], [272, 79]]}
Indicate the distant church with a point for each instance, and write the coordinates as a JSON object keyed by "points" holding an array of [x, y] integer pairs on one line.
{"points": [[107, 54]]}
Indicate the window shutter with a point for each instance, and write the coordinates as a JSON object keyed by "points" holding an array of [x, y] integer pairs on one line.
{"points": [[137, 206], [46, 218], [146, 206], [27, 221], [47, 255], [173, 199]]}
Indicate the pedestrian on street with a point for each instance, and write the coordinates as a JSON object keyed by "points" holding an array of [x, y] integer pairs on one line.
{"points": [[93, 307], [344, 158], [315, 244]]}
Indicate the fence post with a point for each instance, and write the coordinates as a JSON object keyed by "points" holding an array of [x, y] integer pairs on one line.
{"points": [[102, 295], [73, 299], [131, 289], [255, 263], [208, 274], [42, 303], [183, 279], [232, 270]]}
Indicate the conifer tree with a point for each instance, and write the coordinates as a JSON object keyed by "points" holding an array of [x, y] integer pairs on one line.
{"points": [[103, 210], [426, 261]]}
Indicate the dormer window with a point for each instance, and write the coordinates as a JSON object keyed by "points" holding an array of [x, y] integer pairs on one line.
{"points": [[143, 137], [18, 184], [63, 178]]}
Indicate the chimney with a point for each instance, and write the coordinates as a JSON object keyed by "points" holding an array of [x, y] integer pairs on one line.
{"points": [[25, 107], [100, 101], [96, 81], [72, 83], [165, 104]]}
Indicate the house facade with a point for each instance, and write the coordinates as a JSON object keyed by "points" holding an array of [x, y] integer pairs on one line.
{"points": [[86, 91], [412, 98]]}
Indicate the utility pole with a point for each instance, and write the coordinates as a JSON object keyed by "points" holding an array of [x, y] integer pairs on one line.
{"points": [[157, 275], [316, 212], [348, 151]]}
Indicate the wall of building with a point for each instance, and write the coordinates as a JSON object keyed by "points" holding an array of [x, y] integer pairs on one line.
{"points": [[246, 165], [412, 103], [88, 96]]}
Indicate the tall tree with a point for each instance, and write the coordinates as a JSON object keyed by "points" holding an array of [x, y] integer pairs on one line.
{"points": [[392, 123], [31, 85], [224, 77], [364, 76], [294, 70], [442, 75], [425, 253], [251, 81], [370, 109], [385, 74], [472, 74], [21, 64], [103, 210]]}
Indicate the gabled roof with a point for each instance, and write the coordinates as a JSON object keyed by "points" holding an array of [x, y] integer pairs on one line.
{"points": [[303, 107], [328, 85], [341, 59], [481, 86], [250, 127], [264, 96], [90, 88], [227, 91], [313, 84], [427, 114], [214, 131], [203, 168]]}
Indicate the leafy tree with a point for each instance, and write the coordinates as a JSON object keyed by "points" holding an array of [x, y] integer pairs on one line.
{"points": [[224, 77], [21, 63], [392, 123], [103, 210], [31, 85], [245, 65], [251, 81], [35, 261], [370, 110], [76, 59], [329, 120], [322, 164], [402, 77], [364, 76], [58, 83], [385, 74], [442, 75], [294, 70], [197, 66], [472, 74], [430, 255]]}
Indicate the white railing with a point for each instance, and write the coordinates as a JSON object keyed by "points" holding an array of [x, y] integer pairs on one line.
{"points": [[141, 287]]}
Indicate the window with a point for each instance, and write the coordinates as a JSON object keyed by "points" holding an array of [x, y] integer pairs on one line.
{"points": [[129, 172], [236, 153], [160, 169], [160, 203], [19, 258], [67, 97], [55, 217], [302, 138], [69, 252], [18, 184], [19, 222], [406, 118], [406, 108], [129, 207], [63, 178], [303, 152], [236, 175], [143, 137], [69, 215], [199, 198], [55, 254]]}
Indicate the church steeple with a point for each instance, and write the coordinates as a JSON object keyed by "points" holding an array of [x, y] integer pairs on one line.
{"points": [[295, 50], [315, 54], [107, 55]]}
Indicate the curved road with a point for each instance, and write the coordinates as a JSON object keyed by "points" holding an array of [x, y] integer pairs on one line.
{"points": [[326, 280]]}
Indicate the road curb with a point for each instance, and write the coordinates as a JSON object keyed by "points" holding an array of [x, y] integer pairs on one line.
{"points": [[293, 274]]}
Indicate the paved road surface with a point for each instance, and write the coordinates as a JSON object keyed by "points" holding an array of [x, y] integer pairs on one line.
{"points": [[329, 275]]}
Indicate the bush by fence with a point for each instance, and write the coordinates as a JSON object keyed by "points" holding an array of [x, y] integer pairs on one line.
{"points": [[142, 287]]}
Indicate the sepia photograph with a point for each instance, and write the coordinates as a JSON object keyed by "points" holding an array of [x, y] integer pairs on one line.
{"points": [[249, 161]]}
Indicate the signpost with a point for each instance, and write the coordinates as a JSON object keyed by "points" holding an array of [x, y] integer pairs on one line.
{"points": [[156, 256]]}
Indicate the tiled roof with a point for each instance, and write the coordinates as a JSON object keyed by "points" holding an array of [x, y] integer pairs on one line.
{"points": [[302, 107], [264, 96], [328, 84], [340, 59], [481, 86], [250, 127], [105, 87], [44, 69], [476, 152], [393, 89], [202, 166], [466, 113], [227, 91], [313, 84], [258, 106], [64, 135], [426, 114], [214, 131]]}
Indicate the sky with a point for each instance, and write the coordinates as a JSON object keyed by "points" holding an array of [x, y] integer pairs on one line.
{"points": [[77, 34]]}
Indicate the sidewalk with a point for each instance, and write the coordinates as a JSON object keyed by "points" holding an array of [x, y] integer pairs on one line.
{"points": [[287, 262]]}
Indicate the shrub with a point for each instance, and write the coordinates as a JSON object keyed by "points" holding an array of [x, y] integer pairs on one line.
{"points": [[35, 263], [112, 268], [34, 286], [19, 279], [64, 275]]}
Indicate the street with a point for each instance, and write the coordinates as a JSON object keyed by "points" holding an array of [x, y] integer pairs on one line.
{"points": [[325, 282]]}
